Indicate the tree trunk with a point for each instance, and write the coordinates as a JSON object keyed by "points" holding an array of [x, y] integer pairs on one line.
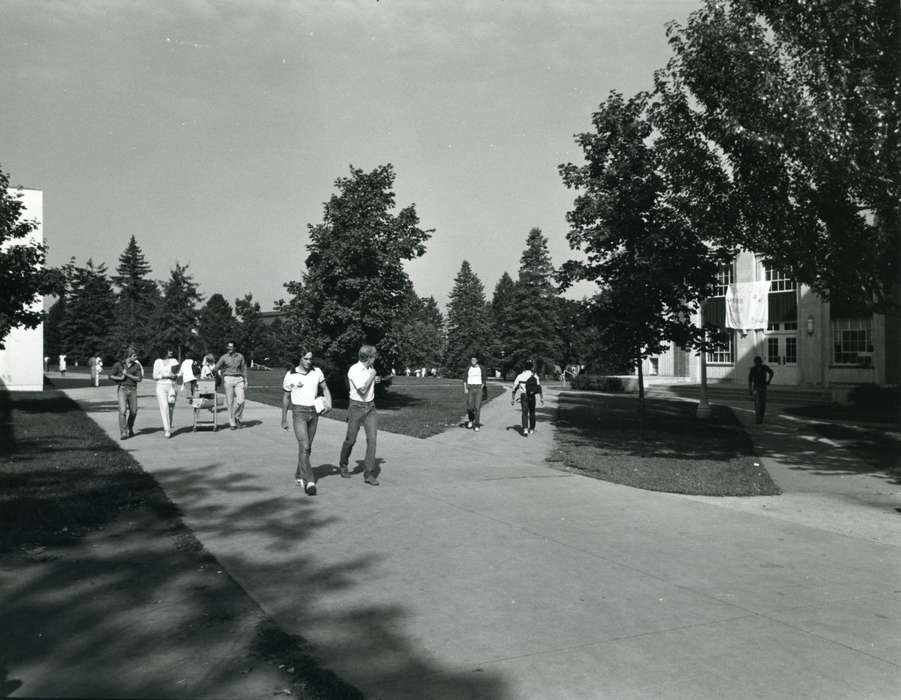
{"points": [[703, 404], [641, 407]]}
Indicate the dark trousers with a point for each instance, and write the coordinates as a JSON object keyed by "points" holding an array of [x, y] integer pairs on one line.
{"points": [[528, 411], [360, 413], [305, 422], [759, 404], [128, 408], [474, 403]]}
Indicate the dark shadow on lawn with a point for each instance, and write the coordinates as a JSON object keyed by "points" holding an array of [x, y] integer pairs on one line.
{"points": [[118, 597]]}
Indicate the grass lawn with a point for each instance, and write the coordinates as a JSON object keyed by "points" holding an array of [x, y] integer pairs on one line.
{"points": [[600, 435], [415, 407]]}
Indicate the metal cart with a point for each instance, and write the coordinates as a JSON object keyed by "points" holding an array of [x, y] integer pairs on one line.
{"points": [[206, 399]]}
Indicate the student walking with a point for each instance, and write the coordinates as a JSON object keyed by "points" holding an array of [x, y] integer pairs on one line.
{"points": [[165, 371], [475, 387], [361, 379], [759, 379], [301, 387], [234, 377], [188, 378], [529, 384], [127, 373]]}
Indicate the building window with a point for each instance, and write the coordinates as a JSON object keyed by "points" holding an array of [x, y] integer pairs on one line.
{"points": [[724, 277], [724, 355], [779, 281], [772, 350], [791, 350], [852, 342], [654, 369]]}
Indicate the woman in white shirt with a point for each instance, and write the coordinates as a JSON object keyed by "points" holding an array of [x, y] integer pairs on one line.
{"points": [[188, 379], [301, 387], [165, 371]]}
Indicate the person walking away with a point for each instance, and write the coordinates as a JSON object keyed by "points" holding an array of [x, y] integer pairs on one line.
{"points": [[362, 379], [475, 387], [92, 368], [759, 379], [98, 370], [529, 386], [165, 371], [300, 387], [62, 365], [188, 378], [127, 373], [234, 377]]}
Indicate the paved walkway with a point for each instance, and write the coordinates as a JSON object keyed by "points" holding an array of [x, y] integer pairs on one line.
{"points": [[476, 570]]}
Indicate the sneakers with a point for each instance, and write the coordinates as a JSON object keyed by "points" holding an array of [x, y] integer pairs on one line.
{"points": [[310, 488], [343, 472], [168, 434], [371, 480], [301, 483], [476, 428], [469, 424]]}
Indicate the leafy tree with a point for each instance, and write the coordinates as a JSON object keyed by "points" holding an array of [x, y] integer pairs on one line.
{"points": [[251, 331], [217, 325], [651, 262], [468, 321], [802, 101], [86, 328], [534, 327], [502, 323], [23, 277], [53, 335], [136, 303], [355, 285], [177, 316]]}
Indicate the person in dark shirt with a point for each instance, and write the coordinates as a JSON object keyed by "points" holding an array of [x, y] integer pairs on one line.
{"points": [[759, 379], [127, 373]]}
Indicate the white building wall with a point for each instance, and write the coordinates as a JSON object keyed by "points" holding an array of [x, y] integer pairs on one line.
{"points": [[21, 363]]}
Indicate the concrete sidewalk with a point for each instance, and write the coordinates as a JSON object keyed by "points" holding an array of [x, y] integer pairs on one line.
{"points": [[476, 570]]}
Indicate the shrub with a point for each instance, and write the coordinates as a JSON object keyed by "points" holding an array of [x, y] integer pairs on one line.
{"points": [[593, 382]]}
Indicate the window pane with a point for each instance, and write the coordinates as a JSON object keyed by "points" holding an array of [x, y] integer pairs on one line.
{"points": [[772, 350], [791, 350]]}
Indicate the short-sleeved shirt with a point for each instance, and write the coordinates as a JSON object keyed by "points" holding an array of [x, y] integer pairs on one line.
{"points": [[758, 376], [358, 375], [521, 380], [474, 375], [232, 364], [187, 371], [128, 382], [304, 395]]}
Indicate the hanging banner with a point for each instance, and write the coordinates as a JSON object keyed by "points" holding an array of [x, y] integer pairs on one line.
{"points": [[747, 305]]}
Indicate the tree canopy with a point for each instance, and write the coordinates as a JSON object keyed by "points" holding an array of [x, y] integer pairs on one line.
{"points": [[136, 302], [468, 321], [355, 286]]}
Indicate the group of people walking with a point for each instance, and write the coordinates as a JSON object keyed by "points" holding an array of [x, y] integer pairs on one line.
{"points": [[128, 372], [475, 388]]}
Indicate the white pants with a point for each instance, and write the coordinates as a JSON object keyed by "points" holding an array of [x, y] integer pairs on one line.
{"points": [[164, 389]]}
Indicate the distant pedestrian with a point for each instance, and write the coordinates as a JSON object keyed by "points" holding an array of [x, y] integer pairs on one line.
{"points": [[206, 368], [361, 379], [165, 370], [475, 388], [301, 388], [234, 377], [62, 365], [188, 378], [98, 370], [759, 379], [92, 367], [529, 384], [46, 363], [127, 373]]}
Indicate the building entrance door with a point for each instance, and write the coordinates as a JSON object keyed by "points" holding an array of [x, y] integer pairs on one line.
{"points": [[781, 352]]}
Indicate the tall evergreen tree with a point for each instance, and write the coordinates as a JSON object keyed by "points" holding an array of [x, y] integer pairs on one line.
{"points": [[86, 329], [468, 321], [534, 324], [355, 286], [136, 301], [502, 323], [217, 325], [177, 315]]}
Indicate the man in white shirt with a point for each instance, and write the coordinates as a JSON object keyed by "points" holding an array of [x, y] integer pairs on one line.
{"points": [[301, 387], [475, 385], [361, 379]]}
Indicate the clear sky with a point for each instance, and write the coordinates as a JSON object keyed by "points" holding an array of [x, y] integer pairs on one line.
{"points": [[214, 130]]}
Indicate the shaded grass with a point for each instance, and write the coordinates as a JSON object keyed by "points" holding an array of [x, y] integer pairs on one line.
{"points": [[416, 407], [670, 450]]}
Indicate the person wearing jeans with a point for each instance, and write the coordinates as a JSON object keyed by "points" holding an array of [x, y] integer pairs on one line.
{"points": [[127, 373], [362, 379], [528, 383], [301, 387], [234, 377], [759, 379], [475, 387]]}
